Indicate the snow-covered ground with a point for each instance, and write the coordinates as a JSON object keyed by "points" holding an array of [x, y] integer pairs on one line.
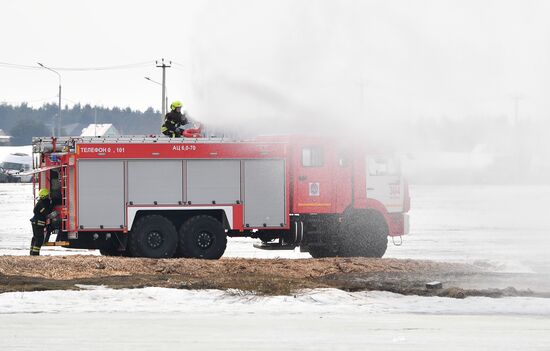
{"points": [[168, 319], [331, 301], [504, 227]]}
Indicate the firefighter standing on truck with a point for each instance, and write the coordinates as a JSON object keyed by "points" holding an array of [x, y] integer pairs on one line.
{"points": [[174, 120], [42, 210]]}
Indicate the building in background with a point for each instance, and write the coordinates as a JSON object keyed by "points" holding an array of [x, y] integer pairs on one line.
{"points": [[103, 130], [4, 138]]}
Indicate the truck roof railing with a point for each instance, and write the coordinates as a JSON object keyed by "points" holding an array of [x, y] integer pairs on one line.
{"points": [[45, 144], [130, 139]]}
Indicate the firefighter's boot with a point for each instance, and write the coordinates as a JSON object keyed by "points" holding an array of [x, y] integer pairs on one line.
{"points": [[35, 250], [37, 239]]}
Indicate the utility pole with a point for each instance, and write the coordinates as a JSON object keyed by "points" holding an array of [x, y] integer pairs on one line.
{"points": [[165, 91], [59, 113], [164, 66], [59, 94]]}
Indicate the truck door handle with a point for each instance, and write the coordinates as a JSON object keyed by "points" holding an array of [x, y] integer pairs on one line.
{"points": [[370, 188], [302, 177]]}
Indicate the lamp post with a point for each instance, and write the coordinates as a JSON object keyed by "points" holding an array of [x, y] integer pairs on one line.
{"points": [[59, 103], [164, 66], [166, 98]]}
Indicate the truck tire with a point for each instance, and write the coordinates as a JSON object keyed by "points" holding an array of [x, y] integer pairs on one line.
{"points": [[153, 236], [202, 236], [365, 234]]}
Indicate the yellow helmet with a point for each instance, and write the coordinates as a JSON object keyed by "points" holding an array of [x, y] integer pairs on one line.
{"points": [[43, 193], [176, 104]]}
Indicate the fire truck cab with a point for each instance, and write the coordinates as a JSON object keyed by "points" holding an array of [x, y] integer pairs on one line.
{"points": [[182, 197]]}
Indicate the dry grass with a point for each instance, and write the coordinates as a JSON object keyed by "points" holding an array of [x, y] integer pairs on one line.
{"points": [[262, 276], [78, 267]]}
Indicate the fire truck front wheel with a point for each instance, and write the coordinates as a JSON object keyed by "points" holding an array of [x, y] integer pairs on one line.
{"points": [[202, 236], [153, 236], [364, 233]]}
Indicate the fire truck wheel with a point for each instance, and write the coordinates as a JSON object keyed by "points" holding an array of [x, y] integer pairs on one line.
{"points": [[202, 237], [154, 236], [364, 234]]}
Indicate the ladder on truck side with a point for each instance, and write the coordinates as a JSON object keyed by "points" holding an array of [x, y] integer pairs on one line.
{"points": [[64, 195], [64, 214]]}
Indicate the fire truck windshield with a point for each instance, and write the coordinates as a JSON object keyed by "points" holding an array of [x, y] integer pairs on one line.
{"points": [[383, 166]]}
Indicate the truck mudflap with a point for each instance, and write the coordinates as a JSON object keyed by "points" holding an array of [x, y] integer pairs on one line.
{"points": [[398, 224]]}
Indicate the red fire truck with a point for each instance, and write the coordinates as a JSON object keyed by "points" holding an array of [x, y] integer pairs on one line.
{"points": [[182, 197]]}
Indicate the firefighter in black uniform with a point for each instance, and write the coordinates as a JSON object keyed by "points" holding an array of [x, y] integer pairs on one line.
{"points": [[174, 120], [42, 211]]}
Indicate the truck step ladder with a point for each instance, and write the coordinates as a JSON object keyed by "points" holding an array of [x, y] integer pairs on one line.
{"points": [[57, 243], [297, 235], [277, 245]]}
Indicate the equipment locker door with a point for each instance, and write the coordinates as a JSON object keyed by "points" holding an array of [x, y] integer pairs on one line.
{"points": [[264, 193], [100, 194], [213, 181], [151, 181]]}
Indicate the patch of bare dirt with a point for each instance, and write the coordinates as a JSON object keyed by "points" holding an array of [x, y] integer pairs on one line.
{"points": [[263, 276]]}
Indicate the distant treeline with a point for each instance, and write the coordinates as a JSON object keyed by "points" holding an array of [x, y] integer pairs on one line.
{"points": [[23, 122]]}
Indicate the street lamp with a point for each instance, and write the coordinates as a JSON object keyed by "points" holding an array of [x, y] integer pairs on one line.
{"points": [[166, 101], [59, 113]]}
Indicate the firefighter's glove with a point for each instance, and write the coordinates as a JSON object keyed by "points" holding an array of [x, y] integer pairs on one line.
{"points": [[52, 215]]}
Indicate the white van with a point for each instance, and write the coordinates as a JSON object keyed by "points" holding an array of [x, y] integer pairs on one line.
{"points": [[15, 163]]}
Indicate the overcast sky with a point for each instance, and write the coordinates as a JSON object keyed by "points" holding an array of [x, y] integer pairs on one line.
{"points": [[255, 60]]}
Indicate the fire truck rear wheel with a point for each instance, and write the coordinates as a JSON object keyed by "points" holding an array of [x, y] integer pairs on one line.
{"points": [[154, 236], [202, 236], [364, 234]]}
